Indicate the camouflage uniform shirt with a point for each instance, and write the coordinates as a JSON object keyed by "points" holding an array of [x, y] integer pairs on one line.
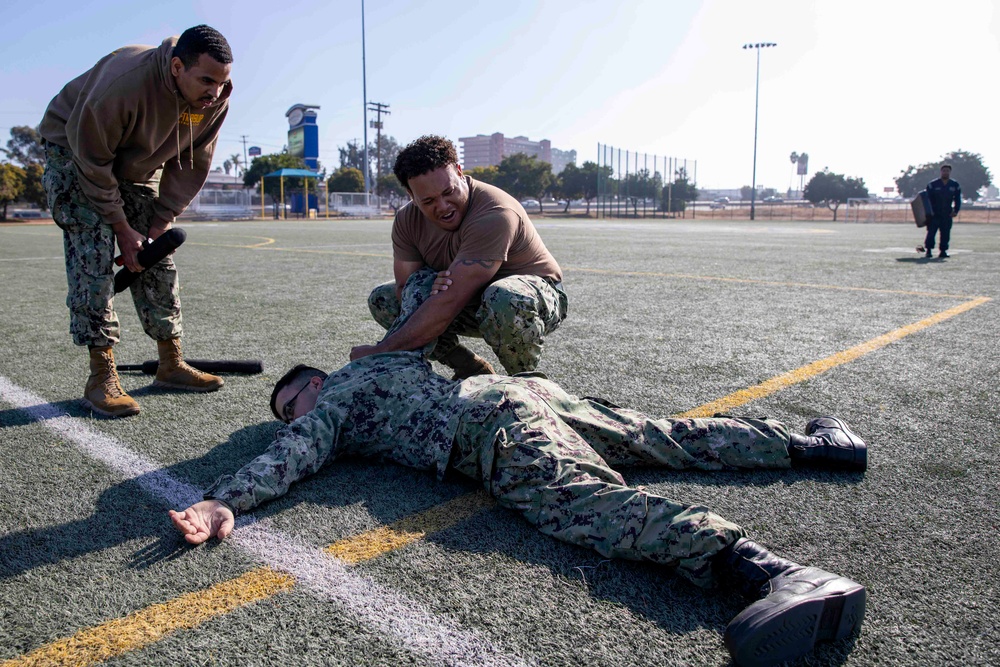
{"points": [[392, 407]]}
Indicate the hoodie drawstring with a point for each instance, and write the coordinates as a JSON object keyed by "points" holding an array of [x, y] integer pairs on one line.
{"points": [[177, 135]]}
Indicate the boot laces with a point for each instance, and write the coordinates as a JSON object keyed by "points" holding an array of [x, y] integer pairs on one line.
{"points": [[110, 382]]}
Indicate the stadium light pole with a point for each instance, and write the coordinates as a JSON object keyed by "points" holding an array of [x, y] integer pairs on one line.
{"points": [[753, 186], [364, 103]]}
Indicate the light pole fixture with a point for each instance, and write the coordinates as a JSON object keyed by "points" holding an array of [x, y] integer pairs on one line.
{"points": [[364, 104], [753, 187]]}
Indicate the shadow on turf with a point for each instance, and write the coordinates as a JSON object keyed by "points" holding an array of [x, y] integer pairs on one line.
{"points": [[19, 417], [920, 260], [125, 511]]}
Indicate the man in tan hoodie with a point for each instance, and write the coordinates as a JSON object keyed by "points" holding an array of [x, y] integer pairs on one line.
{"points": [[129, 144]]}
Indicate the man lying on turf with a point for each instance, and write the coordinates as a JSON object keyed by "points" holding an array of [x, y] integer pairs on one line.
{"points": [[549, 456]]}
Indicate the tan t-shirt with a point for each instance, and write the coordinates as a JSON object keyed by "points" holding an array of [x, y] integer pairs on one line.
{"points": [[495, 227]]}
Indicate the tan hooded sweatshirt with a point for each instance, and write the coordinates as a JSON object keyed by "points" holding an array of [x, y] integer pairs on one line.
{"points": [[125, 119]]}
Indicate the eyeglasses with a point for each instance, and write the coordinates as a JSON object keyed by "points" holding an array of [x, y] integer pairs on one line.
{"points": [[289, 408]]}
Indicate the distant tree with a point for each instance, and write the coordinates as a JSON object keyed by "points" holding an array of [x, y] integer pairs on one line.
{"points": [[640, 186], [11, 185], [794, 159], [524, 175], [34, 191], [383, 158], [266, 164], [571, 184], [226, 166], [679, 192], [346, 179], [392, 191], [966, 168], [352, 155], [236, 159], [832, 190], [25, 146], [762, 193], [583, 181], [488, 174]]}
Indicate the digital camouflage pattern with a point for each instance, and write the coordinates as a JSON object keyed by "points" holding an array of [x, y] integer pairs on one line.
{"points": [[89, 246], [535, 448], [513, 316], [549, 456], [390, 406]]}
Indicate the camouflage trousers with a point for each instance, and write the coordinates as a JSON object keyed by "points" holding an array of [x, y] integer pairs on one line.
{"points": [[548, 456], [513, 316], [89, 244]]}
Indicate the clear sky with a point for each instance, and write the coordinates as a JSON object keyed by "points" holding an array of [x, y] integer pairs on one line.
{"points": [[866, 88]]}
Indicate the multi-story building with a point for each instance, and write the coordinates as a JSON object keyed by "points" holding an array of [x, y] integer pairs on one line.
{"points": [[488, 151]]}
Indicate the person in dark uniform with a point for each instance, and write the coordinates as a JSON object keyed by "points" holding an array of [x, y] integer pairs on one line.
{"points": [[944, 193]]}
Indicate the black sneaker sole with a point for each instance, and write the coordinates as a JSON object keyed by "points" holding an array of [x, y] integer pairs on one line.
{"points": [[790, 629]]}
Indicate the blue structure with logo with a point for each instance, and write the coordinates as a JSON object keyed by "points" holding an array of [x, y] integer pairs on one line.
{"points": [[303, 133]]}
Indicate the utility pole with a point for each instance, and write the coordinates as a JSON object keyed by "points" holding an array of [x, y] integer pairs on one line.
{"points": [[245, 165], [379, 109]]}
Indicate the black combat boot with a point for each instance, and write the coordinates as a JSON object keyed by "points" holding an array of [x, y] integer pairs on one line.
{"points": [[796, 606], [828, 443]]}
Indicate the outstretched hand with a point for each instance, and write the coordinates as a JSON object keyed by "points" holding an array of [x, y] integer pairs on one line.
{"points": [[209, 518]]}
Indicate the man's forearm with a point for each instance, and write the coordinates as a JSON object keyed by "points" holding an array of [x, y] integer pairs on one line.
{"points": [[427, 323]]}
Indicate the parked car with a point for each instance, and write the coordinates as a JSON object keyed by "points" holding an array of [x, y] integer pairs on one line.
{"points": [[773, 200], [530, 203]]}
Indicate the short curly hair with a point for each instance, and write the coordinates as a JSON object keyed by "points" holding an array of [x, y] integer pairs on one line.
{"points": [[424, 155], [202, 39]]}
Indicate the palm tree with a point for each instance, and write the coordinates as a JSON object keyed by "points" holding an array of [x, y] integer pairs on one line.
{"points": [[236, 160]]}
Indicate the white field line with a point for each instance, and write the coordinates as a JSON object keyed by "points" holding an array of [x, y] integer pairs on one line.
{"points": [[416, 628]]}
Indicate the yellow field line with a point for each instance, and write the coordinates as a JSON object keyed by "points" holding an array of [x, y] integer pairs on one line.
{"points": [[145, 627], [388, 538], [152, 624], [744, 396]]}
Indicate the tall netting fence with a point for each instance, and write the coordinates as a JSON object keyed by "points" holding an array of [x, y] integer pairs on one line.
{"points": [[631, 184]]}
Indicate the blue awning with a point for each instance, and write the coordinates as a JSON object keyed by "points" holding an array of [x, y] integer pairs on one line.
{"points": [[288, 173]]}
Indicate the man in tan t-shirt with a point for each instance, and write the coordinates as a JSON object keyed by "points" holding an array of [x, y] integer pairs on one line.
{"points": [[467, 261]]}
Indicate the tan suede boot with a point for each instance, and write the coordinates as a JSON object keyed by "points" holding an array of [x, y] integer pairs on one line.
{"points": [[173, 373], [104, 394], [466, 363]]}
